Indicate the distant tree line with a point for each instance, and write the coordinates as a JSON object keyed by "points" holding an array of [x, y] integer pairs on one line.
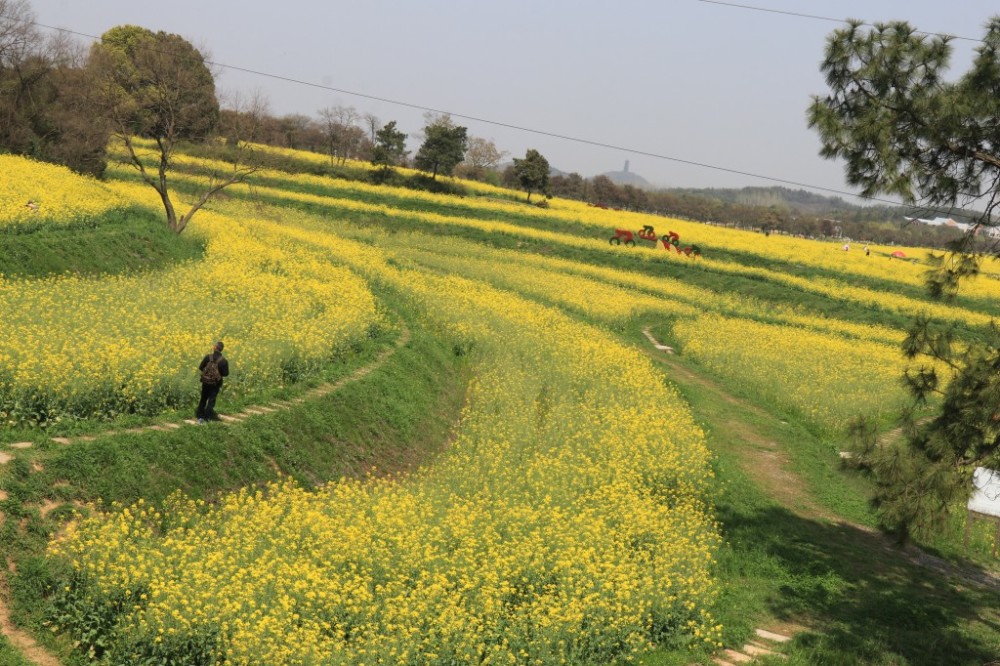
{"points": [[63, 102], [768, 210]]}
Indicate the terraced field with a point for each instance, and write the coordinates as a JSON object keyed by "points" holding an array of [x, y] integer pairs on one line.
{"points": [[449, 440]]}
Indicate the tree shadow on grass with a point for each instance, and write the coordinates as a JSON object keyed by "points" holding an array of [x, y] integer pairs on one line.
{"points": [[871, 603]]}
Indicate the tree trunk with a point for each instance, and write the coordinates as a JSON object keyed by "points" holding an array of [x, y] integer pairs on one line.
{"points": [[168, 206]]}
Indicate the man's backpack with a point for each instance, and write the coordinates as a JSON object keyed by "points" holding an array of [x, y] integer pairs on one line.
{"points": [[210, 374]]}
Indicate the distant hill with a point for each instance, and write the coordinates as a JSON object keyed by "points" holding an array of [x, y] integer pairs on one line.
{"points": [[781, 197], [803, 202], [626, 177]]}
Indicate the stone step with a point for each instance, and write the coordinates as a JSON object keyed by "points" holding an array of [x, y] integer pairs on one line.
{"points": [[757, 650], [62, 440], [771, 636], [21, 445], [5, 458], [737, 657]]}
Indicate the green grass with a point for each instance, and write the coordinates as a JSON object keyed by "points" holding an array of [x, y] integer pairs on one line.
{"points": [[123, 241]]}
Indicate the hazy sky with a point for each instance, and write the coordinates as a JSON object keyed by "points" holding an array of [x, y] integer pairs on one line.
{"points": [[685, 79]]}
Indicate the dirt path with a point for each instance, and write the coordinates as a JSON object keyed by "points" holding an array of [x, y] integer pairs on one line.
{"points": [[23, 641], [766, 462], [762, 457]]}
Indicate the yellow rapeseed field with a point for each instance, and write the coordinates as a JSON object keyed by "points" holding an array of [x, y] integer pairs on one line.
{"points": [[570, 519], [567, 523], [131, 343], [827, 378], [34, 194]]}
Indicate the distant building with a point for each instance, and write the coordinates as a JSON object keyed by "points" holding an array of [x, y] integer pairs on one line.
{"points": [[992, 232]]}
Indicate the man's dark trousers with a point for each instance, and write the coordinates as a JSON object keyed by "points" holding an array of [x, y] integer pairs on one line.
{"points": [[206, 406]]}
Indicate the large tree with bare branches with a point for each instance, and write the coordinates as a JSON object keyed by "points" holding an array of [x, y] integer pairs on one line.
{"points": [[157, 86], [905, 130]]}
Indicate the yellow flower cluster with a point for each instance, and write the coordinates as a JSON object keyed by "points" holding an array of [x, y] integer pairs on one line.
{"points": [[567, 523], [131, 343], [608, 293], [35, 194]]}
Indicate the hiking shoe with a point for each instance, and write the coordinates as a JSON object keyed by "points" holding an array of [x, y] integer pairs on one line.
{"points": [[201, 421]]}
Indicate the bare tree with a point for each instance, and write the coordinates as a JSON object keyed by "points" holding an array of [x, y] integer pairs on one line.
{"points": [[156, 85], [46, 106], [341, 132], [374, 124], [244, 117], [22, 66], [481, 155], [18, 36]]}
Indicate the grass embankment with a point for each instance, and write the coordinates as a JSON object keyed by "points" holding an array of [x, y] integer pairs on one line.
{"points": [[120, 241], [391, 420]]}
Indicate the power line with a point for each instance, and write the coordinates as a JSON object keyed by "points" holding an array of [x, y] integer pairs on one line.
{"points": [[521, 128], [828, 18]]}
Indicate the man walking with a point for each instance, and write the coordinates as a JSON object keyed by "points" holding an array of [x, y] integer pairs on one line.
{"points": [[213, 368]]}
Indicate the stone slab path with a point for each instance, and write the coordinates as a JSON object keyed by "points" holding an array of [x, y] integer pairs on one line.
{"points": [[765, 645]]}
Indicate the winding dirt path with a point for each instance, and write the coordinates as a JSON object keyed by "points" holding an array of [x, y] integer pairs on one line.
{"points": [[21, 640], [771, 467]]}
